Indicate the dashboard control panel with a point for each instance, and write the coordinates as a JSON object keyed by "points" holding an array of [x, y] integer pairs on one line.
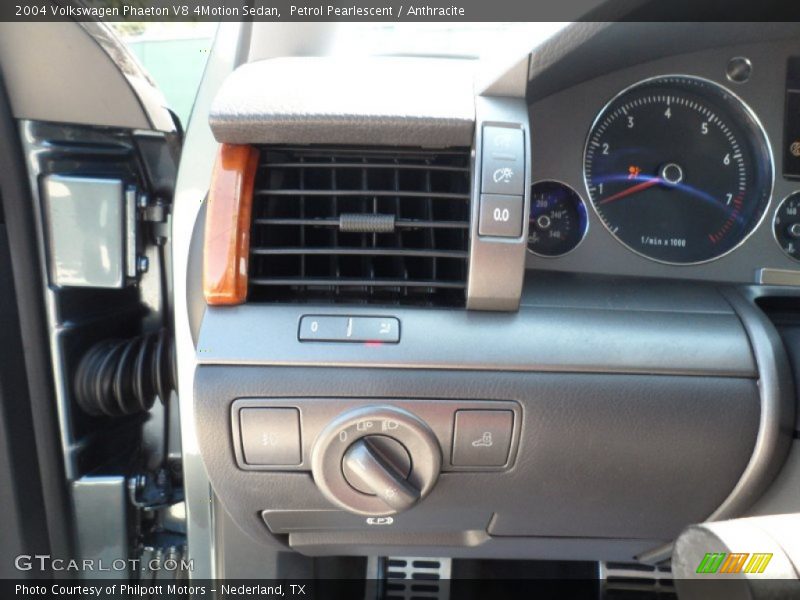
{"points": [[374, 459], [499, 204], [346, 328], [502, 196], [503, 168], [655, 182]]}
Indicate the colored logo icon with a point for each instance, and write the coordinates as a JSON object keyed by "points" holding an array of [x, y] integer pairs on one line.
{"points": [[722, 562]]}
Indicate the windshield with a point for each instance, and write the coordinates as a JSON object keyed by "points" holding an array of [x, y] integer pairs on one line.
{"points": [[174, 54], [467, 40]]}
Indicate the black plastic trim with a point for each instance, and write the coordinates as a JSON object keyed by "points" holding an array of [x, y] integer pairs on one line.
{"points": [[21, 500], [25, 261]]}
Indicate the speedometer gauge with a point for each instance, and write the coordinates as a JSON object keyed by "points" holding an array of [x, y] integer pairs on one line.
{"points": [[678, 169], [557, 221]]}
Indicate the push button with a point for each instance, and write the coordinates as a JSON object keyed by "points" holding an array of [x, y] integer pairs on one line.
{"points": [[373, 329], [500, 216], [321, 328], [503, 168], [482, 438], [314, 328], [271, 436]]}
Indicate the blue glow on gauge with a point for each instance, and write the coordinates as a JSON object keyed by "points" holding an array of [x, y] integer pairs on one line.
{"points": [[558, 219], [700, 147], [684, 187]]}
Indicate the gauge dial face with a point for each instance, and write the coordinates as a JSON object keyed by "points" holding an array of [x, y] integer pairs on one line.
{"points": [[678, 169], [557, 220], [787, 225]]}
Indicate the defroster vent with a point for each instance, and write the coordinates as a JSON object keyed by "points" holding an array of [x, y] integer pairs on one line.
{"points": [[360, 225]]}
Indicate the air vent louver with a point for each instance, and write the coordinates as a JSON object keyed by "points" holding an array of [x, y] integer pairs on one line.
{"points": [[357, 225]]}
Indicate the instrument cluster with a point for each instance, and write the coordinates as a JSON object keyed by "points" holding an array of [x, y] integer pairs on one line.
{"points": [[676, 168]]}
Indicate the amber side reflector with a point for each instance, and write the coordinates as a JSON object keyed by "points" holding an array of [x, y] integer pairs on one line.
{"points": [[227, 238]]}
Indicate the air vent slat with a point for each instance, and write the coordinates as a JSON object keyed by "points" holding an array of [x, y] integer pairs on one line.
{"points": [[356, 153], [352, 165], [302, 230], [401, 223], [360, 225], [399, 265], [344, 282], [369, 194], [360, 252], [335, 234], [430, 233]]}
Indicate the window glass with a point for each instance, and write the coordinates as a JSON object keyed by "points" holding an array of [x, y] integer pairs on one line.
{"points": [[468, 40], [174, 54]]}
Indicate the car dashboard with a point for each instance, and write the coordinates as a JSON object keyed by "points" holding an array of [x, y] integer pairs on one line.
{"points": [[534, 313], [401, 309]]}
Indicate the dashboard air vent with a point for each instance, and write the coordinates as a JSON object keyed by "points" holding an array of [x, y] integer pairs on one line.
{"points": [[360, 225]]}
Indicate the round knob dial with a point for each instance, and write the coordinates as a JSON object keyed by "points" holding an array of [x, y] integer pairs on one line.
{"points": [[378, 466], [376, 460]]}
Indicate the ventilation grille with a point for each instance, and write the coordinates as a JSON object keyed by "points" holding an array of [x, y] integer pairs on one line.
{"points": [[358, 225], [623, 580], [413, 578]]}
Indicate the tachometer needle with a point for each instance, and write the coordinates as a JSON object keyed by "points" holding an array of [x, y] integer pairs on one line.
{"points": [[631, 190]]}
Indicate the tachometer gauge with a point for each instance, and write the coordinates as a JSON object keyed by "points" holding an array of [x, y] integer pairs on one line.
{"points": [[787, 225], [678, 169], [557, 220]]}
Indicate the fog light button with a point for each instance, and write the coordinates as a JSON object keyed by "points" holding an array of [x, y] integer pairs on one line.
{"points": [[271, 436]]}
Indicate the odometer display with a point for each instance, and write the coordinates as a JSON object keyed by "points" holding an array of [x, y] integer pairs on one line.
{"points": [[678, 169]]}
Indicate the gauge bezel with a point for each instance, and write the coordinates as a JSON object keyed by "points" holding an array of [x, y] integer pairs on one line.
{"points": [[764, 142], [778, 208], [585, 229]]}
